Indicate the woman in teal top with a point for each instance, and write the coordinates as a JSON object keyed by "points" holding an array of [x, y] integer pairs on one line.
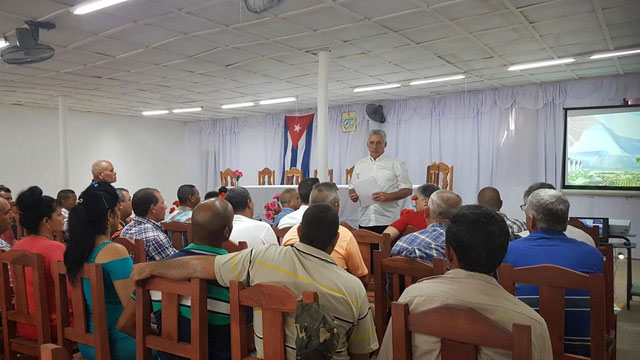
{"points": [[90, 224]]}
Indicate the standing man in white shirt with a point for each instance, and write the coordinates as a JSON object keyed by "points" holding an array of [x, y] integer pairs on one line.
{"points": [[393, 180], [254, 233]]}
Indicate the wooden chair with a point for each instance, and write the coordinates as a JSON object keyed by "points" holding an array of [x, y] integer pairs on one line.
{"points": [[611, 316], [266, 176], [367, 242], [594, 231], [78, 332], [404, 272], [231, 247], [227, 179], [131, 248], [461, 331], [552, 281], [346, 224], [330, 172], [168, 341], [280, 233], [274, 301], [292, 176], [348, 174], [408, 230], [180, 233], [140, 254], [53, 352], [17, 310], [434, 172]]}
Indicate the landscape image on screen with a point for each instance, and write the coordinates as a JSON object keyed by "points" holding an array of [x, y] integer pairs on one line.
{"points": [[603, 148]]}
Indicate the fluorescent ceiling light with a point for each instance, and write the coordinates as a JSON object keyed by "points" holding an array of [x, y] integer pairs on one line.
{"points": [[605, 54], [537, 64], [155, 112], [193, 109], [277, 101], [238, 105], [93, 5], [437, 79], [376, 87], [3, 43]]}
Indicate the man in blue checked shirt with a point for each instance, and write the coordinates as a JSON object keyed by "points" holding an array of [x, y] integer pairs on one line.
{"points": [[430, 243]]}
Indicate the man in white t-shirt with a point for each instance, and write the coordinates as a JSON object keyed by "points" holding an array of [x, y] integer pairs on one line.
{"points": [[254, 233], [304, 190]]}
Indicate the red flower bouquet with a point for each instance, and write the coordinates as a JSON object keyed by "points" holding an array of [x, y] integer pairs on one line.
{"points": [[237, 174], [273, 208]]}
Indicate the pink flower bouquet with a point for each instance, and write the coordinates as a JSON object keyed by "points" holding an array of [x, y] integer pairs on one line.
{"points": [[237, 174], [273, 208]]}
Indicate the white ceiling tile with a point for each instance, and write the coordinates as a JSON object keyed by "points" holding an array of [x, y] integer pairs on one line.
{"points": [[179, 4], [382, 42], [556, 9], [225, 56], [228, 37], [94, 71], [53, 65], [355, 31], [488, 21], [143, 35], [30, 9], [430, 33], [527, 56], [480, 64], [323, 18], [136, 10], [187, 46], [153, 56], [582, 48], [377, 8], [516, 46], [296, 58], [95, 22], [449, 45], [134, 77], [271, 28], [461, 9], [397, 77], [561, 25], [261, 65], [341, 50], [625, 29], [62, 36], [227, 13], [183, 24], [437, 71], [626, 41], [380, 69], [108, 47], [194, 65], [410, 20], [622, 14], [163, 71], [264, 49], [307, 41], [420, 63], [489, 37], [284, 73], [466, 55], [79, 57], [574, 37], [9, 23], [123, 64], [359, 61]]}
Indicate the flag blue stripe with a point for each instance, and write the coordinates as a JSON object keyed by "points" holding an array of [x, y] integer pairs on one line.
{"points": [[294, 157], [307, 150], [284, 154]]}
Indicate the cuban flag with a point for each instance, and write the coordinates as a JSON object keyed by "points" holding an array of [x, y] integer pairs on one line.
{"points": [[298, 131]]}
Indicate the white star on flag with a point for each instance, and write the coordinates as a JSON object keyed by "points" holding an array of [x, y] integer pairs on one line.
{"points": [[297, 128]]}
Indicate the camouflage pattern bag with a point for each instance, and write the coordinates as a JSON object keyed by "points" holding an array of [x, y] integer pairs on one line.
{"points": [[316, 333]]}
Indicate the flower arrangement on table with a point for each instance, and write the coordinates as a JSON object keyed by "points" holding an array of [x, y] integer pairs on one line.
{"points": [[174, 207], [237, 174], [273, 208]]}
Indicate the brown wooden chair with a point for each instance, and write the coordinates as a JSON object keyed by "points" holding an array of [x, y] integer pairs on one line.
{"points": [[330, 172], [131, 248], [408, 230], [17, 310], [346, 225], [168, 341], [292, 176], [461, 331], [78, 332], [611, 316], [227, 179], [594, 231], [280, 233], [275, 301], [140, 254], [266, 176], [348, 174], [180, 233], [231, 247], [53, 352], [367, 242], [552, 281], [437, 171], [404, 272]]}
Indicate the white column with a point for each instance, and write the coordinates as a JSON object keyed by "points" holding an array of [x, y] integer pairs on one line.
{"points": [[62, 133], [323, 116]]}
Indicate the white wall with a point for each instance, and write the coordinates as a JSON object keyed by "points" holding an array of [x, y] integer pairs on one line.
{"points": [[145, 152]]}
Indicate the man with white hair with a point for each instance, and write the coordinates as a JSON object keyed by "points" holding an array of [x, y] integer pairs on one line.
{"points": [[429, 243], [103, 170], [547, 213]]}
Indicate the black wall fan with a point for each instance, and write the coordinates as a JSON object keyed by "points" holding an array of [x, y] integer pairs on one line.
{"points": [[29, 50]]}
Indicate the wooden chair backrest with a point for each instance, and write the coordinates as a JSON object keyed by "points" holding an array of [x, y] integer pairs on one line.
{"points": [[128, 244], [594, 231], [140, 254], [404, 272], [292, 176], [231, 247], [552, 281], [461, 331], [365, 239], [408, 230], [78, 332], [348, 174], [434, 172], [330, 172], [266, 176], [180, 233], [167, 341], [53, 352], [346, 225], [13, 302], [226, 178], [607, 253], [280, 233], [275, 301]]}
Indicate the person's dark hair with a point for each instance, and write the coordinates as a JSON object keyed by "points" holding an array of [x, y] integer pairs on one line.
{"points": [[238, 197], [64, 195], [222, 189], [211, 194], [4, 189], [536, 186], [305, 187], [185, 192], [87, 220], [319, 226], [34, 206], [142, 200], [426, 190], [479, 237], [121, 192]]}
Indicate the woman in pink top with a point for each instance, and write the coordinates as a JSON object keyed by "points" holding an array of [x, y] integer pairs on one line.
{"points": [[41, 218]]}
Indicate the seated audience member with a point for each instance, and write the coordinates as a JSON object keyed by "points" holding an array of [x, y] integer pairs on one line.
{"points": [[189, 197], [212, 223], [416, 218], [572, 232], [341, 294], [254, 233], [9, 234], [6, 218], [429, 243], [148, 205], [124, 209], [90, 224], [489, 197], [290, 201], [304, 191], [346, 253], [211, 194], [41, 218], [103, 170], [222, 191], [476, 242], [547, 216], [66, 200]]}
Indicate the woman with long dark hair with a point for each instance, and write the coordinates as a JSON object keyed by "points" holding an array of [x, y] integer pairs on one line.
{"points": [[90, 223]]}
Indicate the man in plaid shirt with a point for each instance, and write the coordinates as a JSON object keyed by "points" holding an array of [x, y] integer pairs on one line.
{"points": [[430, 243], [149, 208], [489, 197]]}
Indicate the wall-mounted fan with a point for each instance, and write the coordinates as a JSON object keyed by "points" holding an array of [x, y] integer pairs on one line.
{"points": [[29, 50], [375, 113]]}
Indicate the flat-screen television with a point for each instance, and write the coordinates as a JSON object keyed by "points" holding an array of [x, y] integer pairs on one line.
{"points": [[602, 149]]}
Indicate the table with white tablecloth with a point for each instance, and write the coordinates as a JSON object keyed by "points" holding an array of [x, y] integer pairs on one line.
{"points": [[262, 194]]}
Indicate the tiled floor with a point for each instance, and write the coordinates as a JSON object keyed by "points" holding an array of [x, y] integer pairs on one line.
{"points": [[628, 321]]}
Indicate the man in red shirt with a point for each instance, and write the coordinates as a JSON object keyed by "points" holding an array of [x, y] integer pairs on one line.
{"points": [[416, 218]]}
